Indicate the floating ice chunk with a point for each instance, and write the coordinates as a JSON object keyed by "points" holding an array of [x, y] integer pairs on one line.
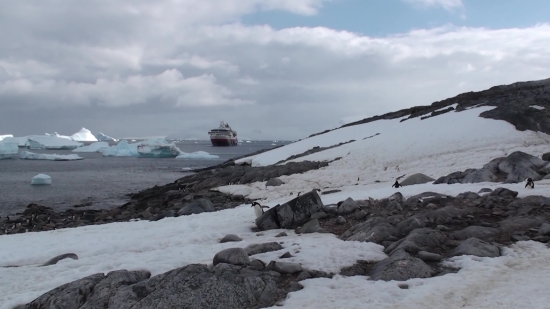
{"points": [[537, 107], [4, 136], [102, 137], [197, 155], [8, 149], [158, 148], [94, 147], [26, 155], [122, 149], [51, 142], [20, 141], [84, 135], [41, 179]]}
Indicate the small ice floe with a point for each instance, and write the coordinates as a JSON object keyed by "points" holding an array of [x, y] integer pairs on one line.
{"points": [[27, 155], [41, 179], [197, 155]]}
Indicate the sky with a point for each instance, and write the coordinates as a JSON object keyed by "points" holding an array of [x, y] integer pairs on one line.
{"points": [[518, 279], [273, 69]]}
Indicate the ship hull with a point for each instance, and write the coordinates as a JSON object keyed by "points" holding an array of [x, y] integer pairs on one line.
{"points": [[223, 142]]}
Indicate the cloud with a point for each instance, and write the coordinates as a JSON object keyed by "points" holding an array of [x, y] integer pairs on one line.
{"points": [[446, 4], [178, 68]]}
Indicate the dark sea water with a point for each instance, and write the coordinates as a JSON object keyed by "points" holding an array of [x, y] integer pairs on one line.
{"points": [[103, 181]]}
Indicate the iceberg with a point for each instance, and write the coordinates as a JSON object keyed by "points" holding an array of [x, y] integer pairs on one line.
{"points": [[20, 141], [94, 147], [41, 179], [102, 137], [8, 149], [197, 155], [157, 148], [122, 149], [4, 136], [151, 148], [27, 155], [84, 135], [55, 134], [51, 142]]}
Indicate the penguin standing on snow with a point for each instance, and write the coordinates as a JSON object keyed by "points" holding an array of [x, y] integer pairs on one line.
{"points": [[529, 183], [258, 208], [396, 184]]}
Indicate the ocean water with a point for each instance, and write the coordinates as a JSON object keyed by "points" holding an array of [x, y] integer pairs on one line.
{"points": [[102, 181]]}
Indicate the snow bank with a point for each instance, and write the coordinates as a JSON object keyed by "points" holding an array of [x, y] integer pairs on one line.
{"points": [[197, 155], [4, 136], [26, 155]]}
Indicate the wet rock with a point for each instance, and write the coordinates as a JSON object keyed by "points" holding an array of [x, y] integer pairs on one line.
{"points": [[233, 256], [544, 229]]}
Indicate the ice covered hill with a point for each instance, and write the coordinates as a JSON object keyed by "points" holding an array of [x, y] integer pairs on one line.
{"points": [[458, 245]]}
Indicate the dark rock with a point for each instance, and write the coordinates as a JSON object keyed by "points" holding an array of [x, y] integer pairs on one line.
{"points": [[416, 179], [400, 266], [286, 255], [196, 207], [230, 238], [477, 247], [546, 156], [485, 190], [341, 220], [429, 257], [256, 265], [274, 182], [298, 211], [287, 268], [281, 234], [319, 215], [480, 232], [262, 248], [60, 257], [295, 286], [544, 229], [303, 276], [423, 239], [360, 215], [504, 192], [348, 206], [233, 256]]}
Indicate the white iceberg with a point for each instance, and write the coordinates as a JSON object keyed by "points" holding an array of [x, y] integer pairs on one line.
{"points": [[151, 148], [158, 148], [55, 134], [94, 147], [27, 155], [4, 136], [41, 179], [20, 141], [122, 149], [84, 135], [51, 142], [8, 149], [102, 137], [197, 155]]}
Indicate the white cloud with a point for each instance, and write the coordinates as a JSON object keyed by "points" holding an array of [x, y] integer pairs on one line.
{"points": [[142, 55], [446, 4]]}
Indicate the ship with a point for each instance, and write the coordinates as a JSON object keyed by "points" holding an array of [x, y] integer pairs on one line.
{"points": [[223, 136]]}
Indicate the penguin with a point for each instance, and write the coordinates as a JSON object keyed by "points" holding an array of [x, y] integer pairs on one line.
{"points": [[258, 208], [396, 184], [529, 183]]}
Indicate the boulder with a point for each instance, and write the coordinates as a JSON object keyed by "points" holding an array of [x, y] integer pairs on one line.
{"points": [[291, 214], [477, 247], [348, 206], [310, 227], [423, 239], [233, 256], [230, 238], [544, 229], [274, 182], [400, 266], [416, 179], [196, 207], [546, 156], [287, 268], [262, 248]]}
